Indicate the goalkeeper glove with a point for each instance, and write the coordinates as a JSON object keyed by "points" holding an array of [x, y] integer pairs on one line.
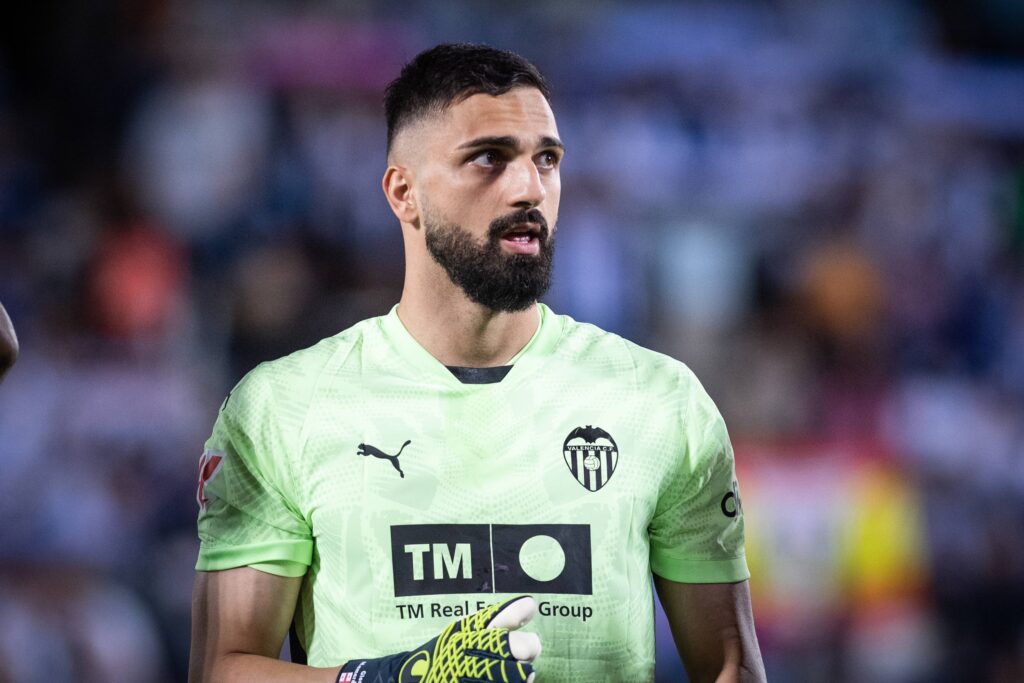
{"points": [[484, 646]]}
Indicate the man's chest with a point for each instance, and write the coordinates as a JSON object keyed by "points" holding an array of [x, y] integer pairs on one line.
{"points": [[493, 492], [514, 456]]}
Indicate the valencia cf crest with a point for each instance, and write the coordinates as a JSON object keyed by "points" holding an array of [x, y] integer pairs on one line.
{"points": [[591, 455]]}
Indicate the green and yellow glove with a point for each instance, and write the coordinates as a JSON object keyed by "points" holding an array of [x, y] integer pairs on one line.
{"points": [[484, 646]]}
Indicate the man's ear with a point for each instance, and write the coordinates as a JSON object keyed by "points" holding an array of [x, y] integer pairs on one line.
{"points": [[397, 185]]}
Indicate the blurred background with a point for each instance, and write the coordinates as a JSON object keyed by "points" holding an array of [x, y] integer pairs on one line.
{"points": [[819, 206]]}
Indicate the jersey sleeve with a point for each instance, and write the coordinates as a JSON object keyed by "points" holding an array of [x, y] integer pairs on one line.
{"points": [[247, 510], [697, 530]]}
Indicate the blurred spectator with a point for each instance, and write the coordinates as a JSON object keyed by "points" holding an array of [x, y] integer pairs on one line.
{"points": [[137, 284], [60, 623]]}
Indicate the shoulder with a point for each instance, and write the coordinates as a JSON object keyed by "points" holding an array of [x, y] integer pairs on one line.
{"points": [[294, 378], [599, 351]]}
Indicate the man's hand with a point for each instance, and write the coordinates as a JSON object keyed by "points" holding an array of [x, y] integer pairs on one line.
{"points": [[8, 343], [484, 646]]}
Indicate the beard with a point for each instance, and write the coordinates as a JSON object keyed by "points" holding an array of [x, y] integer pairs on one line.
{"points": [[489, 276]]}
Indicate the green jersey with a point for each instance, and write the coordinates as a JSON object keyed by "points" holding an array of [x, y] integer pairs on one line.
{"points": [[407, 498]]}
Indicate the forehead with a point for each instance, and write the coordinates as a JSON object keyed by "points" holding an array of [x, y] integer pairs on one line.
{"points": [[521, 112]]}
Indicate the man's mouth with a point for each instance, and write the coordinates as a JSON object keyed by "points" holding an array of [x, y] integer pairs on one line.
{"points": [[522, 239]]}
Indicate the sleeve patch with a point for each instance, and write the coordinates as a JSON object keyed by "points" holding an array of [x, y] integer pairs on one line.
{"points": [[209, 465]]}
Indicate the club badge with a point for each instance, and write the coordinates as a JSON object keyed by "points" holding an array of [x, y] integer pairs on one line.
{"points": [[591, 455]]}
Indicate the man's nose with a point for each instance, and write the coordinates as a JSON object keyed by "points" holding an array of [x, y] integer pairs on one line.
{"points": [[527, 189]]}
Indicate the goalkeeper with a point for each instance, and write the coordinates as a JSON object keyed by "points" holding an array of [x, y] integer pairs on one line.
{"points": [[470, 446]]}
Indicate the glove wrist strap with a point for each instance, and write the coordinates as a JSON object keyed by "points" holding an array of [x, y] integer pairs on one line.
{"points": [[379, 670]]}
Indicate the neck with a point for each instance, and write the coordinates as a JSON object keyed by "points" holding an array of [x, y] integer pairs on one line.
{"points": [[460, 332]]}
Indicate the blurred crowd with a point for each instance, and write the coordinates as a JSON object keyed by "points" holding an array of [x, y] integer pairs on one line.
{"points": [[818, 206]]}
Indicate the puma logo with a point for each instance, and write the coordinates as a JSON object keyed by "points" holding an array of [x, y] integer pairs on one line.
{"points": [[366, 449]]}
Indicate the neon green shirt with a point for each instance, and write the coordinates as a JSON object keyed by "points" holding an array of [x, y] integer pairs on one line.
{"points": [[407, 498]]}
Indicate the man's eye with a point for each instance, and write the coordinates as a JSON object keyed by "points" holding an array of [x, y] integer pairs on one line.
{"points": [[488, 157], [547, 160]]}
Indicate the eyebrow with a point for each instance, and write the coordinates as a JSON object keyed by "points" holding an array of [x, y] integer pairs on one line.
{"points": [[509, 142]]}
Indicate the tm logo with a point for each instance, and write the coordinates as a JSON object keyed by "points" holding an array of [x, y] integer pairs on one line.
{"points": [[435, 559]]}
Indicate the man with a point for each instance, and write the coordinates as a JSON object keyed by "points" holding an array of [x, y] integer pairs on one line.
{"points": [[8, 343], [471, 446]]}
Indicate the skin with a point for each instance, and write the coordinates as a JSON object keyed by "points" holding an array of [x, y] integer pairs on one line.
{"points": [[439, 168], [8, 343], [713, 628], [240, 618], [433, 167]]}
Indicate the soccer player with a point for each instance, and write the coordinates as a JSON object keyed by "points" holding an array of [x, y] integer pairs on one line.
{"points": [[8, 343], [392, 491]]}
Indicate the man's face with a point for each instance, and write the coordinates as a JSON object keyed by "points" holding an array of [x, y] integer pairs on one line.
{"points": [[489, 190]]}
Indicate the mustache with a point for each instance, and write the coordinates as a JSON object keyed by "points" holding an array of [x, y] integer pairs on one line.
{"points": [[499, 226]]}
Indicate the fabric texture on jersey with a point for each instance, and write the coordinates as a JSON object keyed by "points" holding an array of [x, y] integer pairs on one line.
{"points": [[406, 497]]}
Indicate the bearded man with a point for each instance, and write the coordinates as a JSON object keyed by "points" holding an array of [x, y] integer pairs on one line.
{"points": [[408, 494]]}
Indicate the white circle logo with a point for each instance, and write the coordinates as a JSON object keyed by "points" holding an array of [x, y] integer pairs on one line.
{"points": [[542, 558]]}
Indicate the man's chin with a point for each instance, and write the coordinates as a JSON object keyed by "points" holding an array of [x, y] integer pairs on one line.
{"points": [[503, 275], [511, 300]]}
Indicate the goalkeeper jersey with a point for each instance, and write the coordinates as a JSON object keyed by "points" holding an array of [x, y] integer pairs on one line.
{"points": [[407, 499]]}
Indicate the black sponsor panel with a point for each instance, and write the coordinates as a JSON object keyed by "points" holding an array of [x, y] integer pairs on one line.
{"points": [[434, 559], [510, 577]]}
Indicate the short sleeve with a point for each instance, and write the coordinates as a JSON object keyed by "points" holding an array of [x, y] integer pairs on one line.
{"points": [[247, 512], [697, 530]]}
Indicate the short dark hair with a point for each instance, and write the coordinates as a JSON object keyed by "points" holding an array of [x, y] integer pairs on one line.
{"points": [[449, 73]]}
